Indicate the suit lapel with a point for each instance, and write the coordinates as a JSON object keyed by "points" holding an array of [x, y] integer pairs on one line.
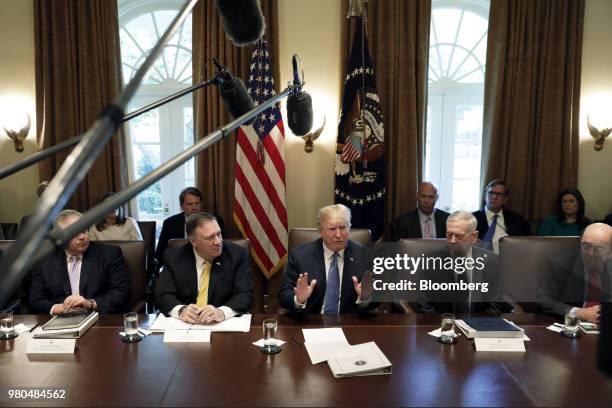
{"points": [[416, 223], [87, 265], [440, 224], [63, 268], [318, 271], [216, 271], [347, 277], [189, 266]]}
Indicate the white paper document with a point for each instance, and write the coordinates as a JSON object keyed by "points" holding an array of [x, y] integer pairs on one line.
{"points": [[234, 324], [187, 336], [497, 344], [322, 344], [50, 346], [367, 359], [260, 342]]}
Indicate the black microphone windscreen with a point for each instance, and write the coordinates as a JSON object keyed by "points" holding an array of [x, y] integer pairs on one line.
{"points": [[243, 20], [236, 97], [299, 113]]}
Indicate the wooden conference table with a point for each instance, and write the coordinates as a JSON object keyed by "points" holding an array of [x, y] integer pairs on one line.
{"points": [[230, 371]]}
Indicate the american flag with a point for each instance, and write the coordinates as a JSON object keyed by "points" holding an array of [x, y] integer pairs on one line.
{"points": [[259, 205]]}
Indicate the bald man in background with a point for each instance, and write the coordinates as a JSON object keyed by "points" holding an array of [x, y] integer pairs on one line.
{"points": [[426, 221], [580, 283]]}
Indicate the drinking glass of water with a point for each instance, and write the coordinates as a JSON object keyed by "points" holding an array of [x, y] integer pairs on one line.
{"points": [[447, 329], [7, 330], [270, 326], [130, 321], [570, 328]]}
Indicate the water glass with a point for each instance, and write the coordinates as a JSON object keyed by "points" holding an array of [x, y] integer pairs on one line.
{"points": [[270, 326], [7, 329], [130, 322], [447, 329], [570, 328]]}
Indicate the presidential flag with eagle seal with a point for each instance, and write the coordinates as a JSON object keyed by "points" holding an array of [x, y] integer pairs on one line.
{"points": [[360, 160]]}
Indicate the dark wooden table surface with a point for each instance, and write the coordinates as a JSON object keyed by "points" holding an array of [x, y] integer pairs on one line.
{"points": [[230, 371]]}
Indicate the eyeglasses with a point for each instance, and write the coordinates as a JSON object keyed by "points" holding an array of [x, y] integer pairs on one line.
{"points": [[597, 249], [495, 193]]}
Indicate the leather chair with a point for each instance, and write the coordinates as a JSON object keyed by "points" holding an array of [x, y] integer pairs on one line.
{"points": [[147, 229], [415, 247], [135, 256], [299, 236], [259, 280], [10, 230], [19, 299], [523, 259]]}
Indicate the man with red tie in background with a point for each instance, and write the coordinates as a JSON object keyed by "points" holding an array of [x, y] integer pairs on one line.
{"points": [[581, 284]]}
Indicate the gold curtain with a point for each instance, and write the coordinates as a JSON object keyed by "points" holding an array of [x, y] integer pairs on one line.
{"points": [[78, 72], [398, 36], [532, 100], [215, 166]]}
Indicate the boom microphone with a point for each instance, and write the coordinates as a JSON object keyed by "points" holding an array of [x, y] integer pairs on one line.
{"points": [[243, 20], [233, 92], [299, 104]]}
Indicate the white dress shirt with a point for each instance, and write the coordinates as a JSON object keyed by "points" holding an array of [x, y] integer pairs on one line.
{"points": [[500, 230]]}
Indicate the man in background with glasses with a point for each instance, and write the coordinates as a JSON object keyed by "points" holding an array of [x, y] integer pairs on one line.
{"points": [[495, 221], [582, 282]]}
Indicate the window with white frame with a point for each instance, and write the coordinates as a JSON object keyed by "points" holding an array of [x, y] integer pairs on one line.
{"points": [[457, 55], [162, 133]]}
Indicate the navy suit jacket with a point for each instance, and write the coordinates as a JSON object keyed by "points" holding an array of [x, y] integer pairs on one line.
{"points": [[174, 228], [309, 258], [515, 223], [231, 279], [562, 286], [409, 225], [104, 278]]}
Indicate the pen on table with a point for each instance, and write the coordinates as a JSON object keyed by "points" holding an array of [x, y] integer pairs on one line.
{"points": [[33, 327], [299, 343]]}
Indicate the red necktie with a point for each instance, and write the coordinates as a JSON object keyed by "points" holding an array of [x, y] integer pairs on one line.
{"points": [[594, 290]]}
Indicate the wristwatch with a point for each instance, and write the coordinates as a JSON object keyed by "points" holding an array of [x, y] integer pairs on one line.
{"points": [[181, 310], [92, 304]]}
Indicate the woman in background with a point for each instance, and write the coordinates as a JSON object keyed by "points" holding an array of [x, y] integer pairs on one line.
{"points": [[115, 226], [570, 219]]}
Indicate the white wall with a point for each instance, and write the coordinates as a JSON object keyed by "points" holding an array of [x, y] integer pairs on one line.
{"points": [[17, 192], [311, 29], [595, 168]]}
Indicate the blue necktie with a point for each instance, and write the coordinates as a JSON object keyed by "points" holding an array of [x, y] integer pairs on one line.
{"points": [[491, 231], [332, 288]]}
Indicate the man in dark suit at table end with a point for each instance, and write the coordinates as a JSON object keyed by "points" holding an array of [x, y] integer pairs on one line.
{"points": [[426, 221], [471, 265], [85, 274], [326, 274], [174, 227], [205, 280], [496, 221], [580, 283]]}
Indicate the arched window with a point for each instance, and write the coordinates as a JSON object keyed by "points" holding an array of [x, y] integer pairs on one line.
{"points": [[457, 54], [162, 133]]}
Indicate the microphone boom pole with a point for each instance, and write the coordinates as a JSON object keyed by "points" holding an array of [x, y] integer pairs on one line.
{"points": [[20, 255], [43, 154]]}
